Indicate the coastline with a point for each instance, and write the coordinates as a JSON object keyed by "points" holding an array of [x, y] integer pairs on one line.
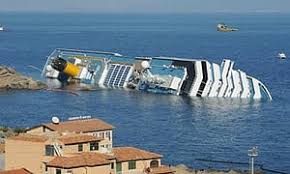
{"points": [[11, 79]]}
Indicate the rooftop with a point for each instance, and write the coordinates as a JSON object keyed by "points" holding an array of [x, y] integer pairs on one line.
{"points": [[29, 137], [16, 171], [78, 138], [78, 126], [94, 158], [85, 159], [131, 153], [65, 139]]}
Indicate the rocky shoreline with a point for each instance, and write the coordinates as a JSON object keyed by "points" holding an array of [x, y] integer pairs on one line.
{"points": [[182, 169], [10, 79]]}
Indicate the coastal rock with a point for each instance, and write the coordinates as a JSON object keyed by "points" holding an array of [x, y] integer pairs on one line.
{"points": [[10, 79], [183, 169]]}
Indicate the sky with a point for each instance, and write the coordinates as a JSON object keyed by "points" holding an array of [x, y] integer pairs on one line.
{"points": [[145, 6]]}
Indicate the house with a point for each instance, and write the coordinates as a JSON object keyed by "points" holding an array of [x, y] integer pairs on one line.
{"points": [[122, 160], [94, 127], [77, 147]]}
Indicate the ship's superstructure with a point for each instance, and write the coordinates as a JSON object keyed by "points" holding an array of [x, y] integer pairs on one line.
{"points": [[168, 75]]}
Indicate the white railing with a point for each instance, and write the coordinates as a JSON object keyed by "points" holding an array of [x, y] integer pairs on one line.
{"points": [[57, 149]]}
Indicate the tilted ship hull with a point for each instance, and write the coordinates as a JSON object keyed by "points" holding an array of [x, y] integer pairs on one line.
{"points": [[167, 75]]}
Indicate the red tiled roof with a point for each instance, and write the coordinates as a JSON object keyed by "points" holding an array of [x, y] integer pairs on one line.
{"points": [[77, 126], [131, 153], [89, 159], [29, 137], [16, 171], [161, 170], [78, 138]]}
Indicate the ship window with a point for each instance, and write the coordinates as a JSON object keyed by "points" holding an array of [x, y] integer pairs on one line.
{"points": [[117, 75]]}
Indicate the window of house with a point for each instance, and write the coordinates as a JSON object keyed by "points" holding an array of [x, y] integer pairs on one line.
{"points": [[57, 171], [131, 165], [112, 165], [94, 146], [102, 134], [108, 135], [154, 164], [118, 167], [49, 150], [80, 147]]}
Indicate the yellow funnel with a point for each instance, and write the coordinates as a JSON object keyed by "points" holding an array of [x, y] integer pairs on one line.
{"points": [[71, 70]]}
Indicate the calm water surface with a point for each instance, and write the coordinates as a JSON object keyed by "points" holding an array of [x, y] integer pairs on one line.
{"points": [[180, 128]]}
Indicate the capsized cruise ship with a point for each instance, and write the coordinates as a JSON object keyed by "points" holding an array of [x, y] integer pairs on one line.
{"points": [[166, 75]]}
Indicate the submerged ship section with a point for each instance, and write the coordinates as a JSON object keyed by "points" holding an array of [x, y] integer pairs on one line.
{"points": [[167, 75]]}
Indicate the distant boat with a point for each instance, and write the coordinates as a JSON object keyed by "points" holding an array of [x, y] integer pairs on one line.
{"points": [[224, 28], [1, 28], [282, 55]]}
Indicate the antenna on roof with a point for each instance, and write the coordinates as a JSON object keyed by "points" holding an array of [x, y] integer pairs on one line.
{"points": [[55, 120]]}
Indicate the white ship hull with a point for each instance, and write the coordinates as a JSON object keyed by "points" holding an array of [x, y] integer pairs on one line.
{"points": [[167, 75]]}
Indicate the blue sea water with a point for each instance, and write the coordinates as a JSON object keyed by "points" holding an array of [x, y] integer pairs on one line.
{"points": [[182, 129]]}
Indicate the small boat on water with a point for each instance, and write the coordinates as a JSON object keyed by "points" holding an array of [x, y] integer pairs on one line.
{"points": [[224, 28], [282, 55], [1, 28]]}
